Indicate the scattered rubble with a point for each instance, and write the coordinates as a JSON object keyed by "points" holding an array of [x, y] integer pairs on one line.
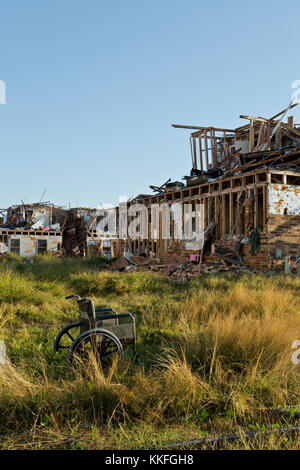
{"points": [[126, 261], [223, 259], [213, 264]]}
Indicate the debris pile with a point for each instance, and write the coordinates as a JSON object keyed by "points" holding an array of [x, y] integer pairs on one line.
{"points": [[213, 265], [130, 261], [36, 216], [226, 254], [74, 236], [167, 186], [222, 259]]}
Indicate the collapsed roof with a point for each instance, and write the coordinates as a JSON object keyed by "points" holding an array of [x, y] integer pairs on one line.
{"points": [[262, 142]]}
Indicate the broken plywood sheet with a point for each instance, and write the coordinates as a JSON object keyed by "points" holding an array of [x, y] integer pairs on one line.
{"points": [[283, 199]]}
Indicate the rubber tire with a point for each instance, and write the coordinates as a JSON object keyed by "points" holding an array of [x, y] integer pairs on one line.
{"points": [[62, 332], [85, 335]]}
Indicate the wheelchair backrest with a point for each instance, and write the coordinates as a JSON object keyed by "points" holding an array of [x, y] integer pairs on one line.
{"points": [[87, 313]]}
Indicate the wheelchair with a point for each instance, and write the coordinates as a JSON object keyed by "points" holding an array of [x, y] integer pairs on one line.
{"points": [[102, 332]]}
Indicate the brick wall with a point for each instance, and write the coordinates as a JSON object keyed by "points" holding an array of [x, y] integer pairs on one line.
{"points": [[177, 254], [284, 234], [281, 231], [261, 260]]}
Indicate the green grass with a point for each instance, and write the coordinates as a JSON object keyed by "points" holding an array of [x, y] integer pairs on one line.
{"points": [[212, 356]]}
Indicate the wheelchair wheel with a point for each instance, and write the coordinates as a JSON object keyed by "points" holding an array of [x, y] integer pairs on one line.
{"points": [[66, 336], [100, 344]]}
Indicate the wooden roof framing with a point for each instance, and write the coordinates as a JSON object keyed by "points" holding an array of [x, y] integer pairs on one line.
{"points": [[213, 147]]}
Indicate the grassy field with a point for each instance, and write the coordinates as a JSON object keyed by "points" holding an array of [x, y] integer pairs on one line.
{"points": [[214, 355]]}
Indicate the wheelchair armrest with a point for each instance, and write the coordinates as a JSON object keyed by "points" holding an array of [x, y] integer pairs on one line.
{"points": [[100, 310]]}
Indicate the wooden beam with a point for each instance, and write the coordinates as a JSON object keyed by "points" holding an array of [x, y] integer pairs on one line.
{"points": [[255, 208], [268, 137], [230, 210], [278, 137], [281, 112], [291, 129], [251, 136], [194, 153], [181, 126], [224, 145], [291, 121], [196, 134], [212, 151], [252, 118], [223, 215], [191, 147], [201, 128], [206, 150], [200, 153]]}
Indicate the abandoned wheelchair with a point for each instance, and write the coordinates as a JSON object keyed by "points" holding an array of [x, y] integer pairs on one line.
{"points": [[101, 332]]}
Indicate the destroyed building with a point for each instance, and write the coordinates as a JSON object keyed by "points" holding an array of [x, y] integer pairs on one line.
{"points": [[247, 180], [30, 229], [90, 231]]}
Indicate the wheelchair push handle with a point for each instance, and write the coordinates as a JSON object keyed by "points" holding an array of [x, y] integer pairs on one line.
{"points": [[78, 298], [72, 296]]}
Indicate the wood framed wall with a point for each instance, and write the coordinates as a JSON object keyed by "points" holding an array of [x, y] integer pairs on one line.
{"points": [[237, 204]]}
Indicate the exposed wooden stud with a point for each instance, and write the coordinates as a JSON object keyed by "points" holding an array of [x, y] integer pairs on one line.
{"points": [[206, 150], [251, 136], [291, 121], [264, 208], [255, 208], [200, 153], [194, 154]]}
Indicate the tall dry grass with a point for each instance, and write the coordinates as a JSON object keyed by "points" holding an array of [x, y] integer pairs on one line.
{"points": [[217, 345]]}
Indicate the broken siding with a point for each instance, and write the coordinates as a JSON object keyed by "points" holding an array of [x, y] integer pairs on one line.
{"points": [[29, 244], [283, 199]]}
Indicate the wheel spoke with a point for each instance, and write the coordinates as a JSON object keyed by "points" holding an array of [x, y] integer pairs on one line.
{"points": [[70, 336], [104, 348]]}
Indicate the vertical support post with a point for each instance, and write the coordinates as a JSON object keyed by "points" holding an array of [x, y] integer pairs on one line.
{"points": [[255, 208], [200, 153], [291, 121], [268, 136], [223, 215], [194, 153], [224, 146], [212, 148], [148, 231], [217, 216], [251, 136], [206, 150]]}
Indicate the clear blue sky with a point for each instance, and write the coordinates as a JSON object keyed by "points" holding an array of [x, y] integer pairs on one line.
{"points": [[93, 87]]}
